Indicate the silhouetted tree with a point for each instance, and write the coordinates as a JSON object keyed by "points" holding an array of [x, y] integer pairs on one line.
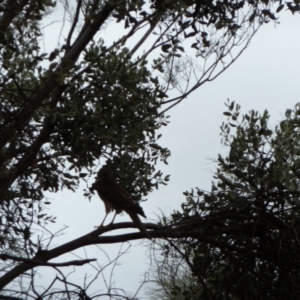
{"points": [[91, 99]]}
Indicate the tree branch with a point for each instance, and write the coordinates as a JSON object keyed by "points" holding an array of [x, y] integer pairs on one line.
{"points": [[42, 263], [94, 238]]}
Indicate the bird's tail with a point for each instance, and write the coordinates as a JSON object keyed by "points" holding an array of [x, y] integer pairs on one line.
{"points": [[137, 221]]}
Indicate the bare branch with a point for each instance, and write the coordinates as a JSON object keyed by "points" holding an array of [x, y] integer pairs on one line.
{"points": [[41, 263]]}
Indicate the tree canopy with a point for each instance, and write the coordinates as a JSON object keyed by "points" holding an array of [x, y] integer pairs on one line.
{"points": [[245, 243], [67, 110]]}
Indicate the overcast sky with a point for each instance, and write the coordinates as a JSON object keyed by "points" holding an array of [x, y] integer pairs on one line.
{"points": [[266, 76]]}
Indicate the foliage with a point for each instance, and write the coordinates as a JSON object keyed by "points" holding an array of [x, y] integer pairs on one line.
{"points": [[64, 113], [247, 226], [171, 276]]}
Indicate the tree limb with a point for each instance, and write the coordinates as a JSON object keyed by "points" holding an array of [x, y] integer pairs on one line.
{"points": [[42, 263]]}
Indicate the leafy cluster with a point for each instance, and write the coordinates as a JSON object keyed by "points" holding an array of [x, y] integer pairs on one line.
{"points": [[57, 122], [248, 225], [106, 106], [64, 114], [208, 29]]}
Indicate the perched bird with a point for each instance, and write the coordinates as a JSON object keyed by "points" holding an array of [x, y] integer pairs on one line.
{"points": [[115, 197]]}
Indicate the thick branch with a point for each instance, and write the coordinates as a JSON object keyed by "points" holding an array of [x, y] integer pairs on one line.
{"points": [[26, 161], [42, 263], [3, 297], [94, 238]]}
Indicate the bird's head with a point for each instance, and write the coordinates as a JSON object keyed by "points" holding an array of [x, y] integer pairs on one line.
{"points": [[105, 174]]}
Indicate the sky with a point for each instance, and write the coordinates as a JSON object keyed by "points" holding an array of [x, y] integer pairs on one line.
{"points": [[266, 76]]}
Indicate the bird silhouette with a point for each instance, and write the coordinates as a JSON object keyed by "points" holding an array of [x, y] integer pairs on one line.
{"points": [[117, 199]]}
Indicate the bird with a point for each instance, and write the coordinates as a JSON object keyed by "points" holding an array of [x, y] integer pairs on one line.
{"points": [[117, 199]]}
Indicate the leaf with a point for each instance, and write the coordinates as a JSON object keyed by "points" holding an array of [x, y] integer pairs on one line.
{"points": [[53, 66], [175, 41], [231, 105], [67, 175], [26, 233], [41, 216], [53, 54], [180, 48], [195, 45], [268, 132], [267, 12], [280, 7], [166, 47], [252, 17], [143, 13], [155, 146], [132, 19], [190, 34]]}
